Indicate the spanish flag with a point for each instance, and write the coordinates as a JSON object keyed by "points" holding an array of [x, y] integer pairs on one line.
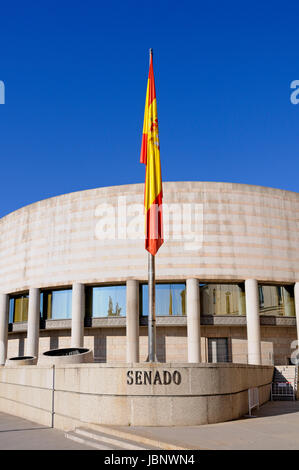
{"points": [[150, 156]]}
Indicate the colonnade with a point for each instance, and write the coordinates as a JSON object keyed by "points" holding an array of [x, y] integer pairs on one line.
{"points": [[132, 320]]}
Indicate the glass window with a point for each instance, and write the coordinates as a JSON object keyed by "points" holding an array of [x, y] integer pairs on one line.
{"points": [[261, 296], [170, 299], [106, 301], [11, 309], [18, 308], [41, 305], [218, 350], [56, 304], [277, 300], [61, 304], [222, 299]]}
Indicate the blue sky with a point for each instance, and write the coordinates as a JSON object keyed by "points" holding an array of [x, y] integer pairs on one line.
{"points": [[75, 76]]}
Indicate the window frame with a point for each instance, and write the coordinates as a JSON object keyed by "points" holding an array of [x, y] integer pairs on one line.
{"points": [[280, 300], [161, 283], [13, 298], [228, 351], [89, 300], [45, 309], [241, 286]]}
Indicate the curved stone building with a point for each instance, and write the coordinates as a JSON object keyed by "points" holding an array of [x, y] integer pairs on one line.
{"points": [[73, 272]]}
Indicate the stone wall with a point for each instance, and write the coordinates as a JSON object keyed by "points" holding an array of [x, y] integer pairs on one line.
{"points": [[187, 394], [27, 392], [109, 344], [247, 232]]}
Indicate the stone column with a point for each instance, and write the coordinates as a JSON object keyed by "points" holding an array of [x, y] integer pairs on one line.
{"points": [[193, 320], [253, 322], [33, 322], [78, 312], [4, 302], [132, 320], [296, 294]]}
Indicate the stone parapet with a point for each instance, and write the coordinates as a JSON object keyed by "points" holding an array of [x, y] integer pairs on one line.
{"points": [[167, 394]]}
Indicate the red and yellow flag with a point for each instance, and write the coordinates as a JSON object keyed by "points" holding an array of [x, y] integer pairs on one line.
{"points": [[150, 156]]}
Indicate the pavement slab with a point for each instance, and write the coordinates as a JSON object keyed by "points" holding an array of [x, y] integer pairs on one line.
{"points": [[275, 426], [20, 434]]}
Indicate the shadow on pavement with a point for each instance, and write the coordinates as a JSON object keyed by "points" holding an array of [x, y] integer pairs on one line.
{"points": [[24, 429], [277, 407]]}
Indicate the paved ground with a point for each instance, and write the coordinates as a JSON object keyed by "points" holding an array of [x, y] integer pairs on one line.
{"points": [[276, 426], [20, 434]]}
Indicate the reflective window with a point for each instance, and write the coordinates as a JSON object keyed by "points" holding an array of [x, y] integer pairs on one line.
{"points": [[222, 299], [170, 299], [106, 301], [277, 300], [41, 305], [11, 310], [18, 308], [56, 304], [61, 304]]}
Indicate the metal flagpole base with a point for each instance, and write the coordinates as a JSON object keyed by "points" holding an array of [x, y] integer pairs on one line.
{"points": [[152, 362]]}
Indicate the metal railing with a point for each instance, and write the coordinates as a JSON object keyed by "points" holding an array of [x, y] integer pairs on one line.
{"points": [[284, 385], [253, 399]]}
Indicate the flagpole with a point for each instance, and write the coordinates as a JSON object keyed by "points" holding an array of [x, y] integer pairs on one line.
{"points": [[151, 296], [151, 309]]}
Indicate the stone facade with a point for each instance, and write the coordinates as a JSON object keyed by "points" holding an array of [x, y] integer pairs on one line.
{"points": [[249, 232], [109, 344], [172, 395], [243, 234]]}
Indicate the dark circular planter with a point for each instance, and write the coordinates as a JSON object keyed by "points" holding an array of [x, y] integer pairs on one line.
{"points": [[22, 361], [68, 356]]}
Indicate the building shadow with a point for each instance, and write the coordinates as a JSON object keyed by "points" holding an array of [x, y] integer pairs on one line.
{"points": [[161, 348], [54, 342], [26, 429], [21, 351], [276, 408], [100, 348]]}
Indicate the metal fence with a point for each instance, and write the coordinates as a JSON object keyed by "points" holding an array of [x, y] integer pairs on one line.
{"points": [[284, 385], [282, 391], [253, 399]]}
